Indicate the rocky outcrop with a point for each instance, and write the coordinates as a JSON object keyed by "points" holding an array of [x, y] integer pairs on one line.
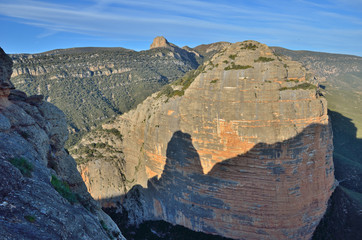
{"points": [[160, 41], [240, 148], [42, 195]]}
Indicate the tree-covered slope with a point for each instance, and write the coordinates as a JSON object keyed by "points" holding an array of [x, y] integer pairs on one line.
{"points": [[92, 84]]}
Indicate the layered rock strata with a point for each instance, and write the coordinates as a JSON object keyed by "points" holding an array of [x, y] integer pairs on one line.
{"points": [[243, 149], [42, 195]]}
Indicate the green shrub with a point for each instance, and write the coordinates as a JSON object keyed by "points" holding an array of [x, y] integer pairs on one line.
{"points": [[264, 59], [225, 61], [185, 82], [292, 80], [104, 225], [304, 86], [25, 135], [232, 57], [236, 67], [63, 189], [100, 145], [23, 165], [115, 132], [166, 90], [169, 92], [211, 64], [30, 218], [214, 81], [249, 46]]}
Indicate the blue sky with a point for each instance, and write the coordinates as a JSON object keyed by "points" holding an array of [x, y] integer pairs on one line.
{"points": [[31, 26]]}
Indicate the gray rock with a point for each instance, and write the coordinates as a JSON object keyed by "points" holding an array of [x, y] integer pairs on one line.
{"points": [[32, 137], [35, 99], [4, 123], [17, 95], [5, 70]]}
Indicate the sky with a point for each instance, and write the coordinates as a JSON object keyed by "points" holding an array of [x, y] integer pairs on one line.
{"points": [[33, 26]]}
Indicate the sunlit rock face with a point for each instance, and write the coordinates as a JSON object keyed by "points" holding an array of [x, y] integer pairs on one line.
{"points": [[245, 151], [160, 42]]}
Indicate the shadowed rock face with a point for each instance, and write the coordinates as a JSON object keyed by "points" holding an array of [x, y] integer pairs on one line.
{"points": [[262, 194], [245, 151], [5, 73], [5, 70], [32, 156]]}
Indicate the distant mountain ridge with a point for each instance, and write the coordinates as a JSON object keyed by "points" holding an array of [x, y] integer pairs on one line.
{"points": [[72, 50], [93, 84]]}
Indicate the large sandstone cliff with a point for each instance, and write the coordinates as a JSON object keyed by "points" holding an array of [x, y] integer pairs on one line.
{"points": [[42, 195], [242, 148]]}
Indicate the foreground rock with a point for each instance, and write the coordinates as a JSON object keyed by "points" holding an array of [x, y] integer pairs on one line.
{"points": [[240, 148], [42, 195]]}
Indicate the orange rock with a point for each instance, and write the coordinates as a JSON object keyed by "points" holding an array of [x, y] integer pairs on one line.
{"points": [[245, 157]]}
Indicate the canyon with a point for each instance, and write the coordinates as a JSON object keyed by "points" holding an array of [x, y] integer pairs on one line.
{"points": [[241, 148]]}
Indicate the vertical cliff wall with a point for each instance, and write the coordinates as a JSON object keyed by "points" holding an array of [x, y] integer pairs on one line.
{"points": [[240, 148], [42, 195]]}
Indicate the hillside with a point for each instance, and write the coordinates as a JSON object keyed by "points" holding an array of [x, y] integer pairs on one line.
{"points": [[93, 84], [342, 83]]}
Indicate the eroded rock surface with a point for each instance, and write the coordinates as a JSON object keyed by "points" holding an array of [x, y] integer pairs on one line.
{"points": [[242, 150], [33, 164]]}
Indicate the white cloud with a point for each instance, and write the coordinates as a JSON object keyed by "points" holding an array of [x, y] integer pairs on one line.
{"points": [[196, 19]]}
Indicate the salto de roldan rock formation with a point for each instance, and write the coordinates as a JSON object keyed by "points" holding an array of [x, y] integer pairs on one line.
{"points": [[243, 150]]}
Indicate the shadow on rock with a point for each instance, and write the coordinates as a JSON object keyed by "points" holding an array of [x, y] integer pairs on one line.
{"points": [[343, 219], [248, 191]]}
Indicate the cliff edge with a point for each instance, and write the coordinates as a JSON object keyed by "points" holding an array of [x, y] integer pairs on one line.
{"points": [[42, 195], [241, 147]]}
